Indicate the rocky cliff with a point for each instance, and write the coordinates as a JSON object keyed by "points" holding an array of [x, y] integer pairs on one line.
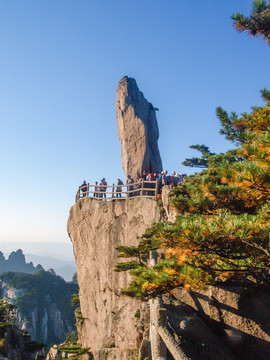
{"points": [[137, 130], [110, 326], [43, 304], [225, 323]]}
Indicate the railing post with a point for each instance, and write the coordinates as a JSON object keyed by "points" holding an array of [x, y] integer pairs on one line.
{"points": [[156, 194]]}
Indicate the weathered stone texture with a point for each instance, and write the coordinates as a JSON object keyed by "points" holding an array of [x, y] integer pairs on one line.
{"points": [[230, 319], [96, 228], [137, 130]]}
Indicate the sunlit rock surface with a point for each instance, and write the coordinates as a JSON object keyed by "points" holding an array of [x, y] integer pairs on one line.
{"points": [[96, 228], [137, 130]]}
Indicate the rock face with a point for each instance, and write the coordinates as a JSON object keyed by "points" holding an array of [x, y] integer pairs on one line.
{"points": [[230, 317], [43, 304], [137, 130], [110, 326]]}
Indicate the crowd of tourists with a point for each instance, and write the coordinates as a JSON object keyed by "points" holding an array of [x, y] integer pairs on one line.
{"points": [[134, 187]]}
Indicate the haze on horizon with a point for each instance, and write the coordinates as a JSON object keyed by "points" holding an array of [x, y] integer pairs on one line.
{"points": [[61, 63]]}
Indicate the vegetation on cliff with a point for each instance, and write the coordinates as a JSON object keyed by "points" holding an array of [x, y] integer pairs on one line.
{"points": [[40, 291], [71, 348], [222, 230], [12, 340]]}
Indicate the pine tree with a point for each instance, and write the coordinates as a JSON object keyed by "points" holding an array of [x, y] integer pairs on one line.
{"points": [[258, 24], [201, 162]]}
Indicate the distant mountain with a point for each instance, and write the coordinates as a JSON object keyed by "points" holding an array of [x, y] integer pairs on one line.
{"points": [[16, 262], [60, 250], [64, 268]]}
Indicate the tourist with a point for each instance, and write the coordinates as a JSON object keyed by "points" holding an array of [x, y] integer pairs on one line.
{"points": [[144, 174], [119, 188], [102, 188], [83, 188], [130, 187], [173, 180], [163, 178], [96, 188]]}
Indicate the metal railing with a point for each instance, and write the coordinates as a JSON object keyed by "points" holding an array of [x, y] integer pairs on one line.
{"points": [[161, 338], [147, 189]]}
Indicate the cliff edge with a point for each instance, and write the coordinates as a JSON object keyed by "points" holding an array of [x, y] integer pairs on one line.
{"points": [[110, 326]]}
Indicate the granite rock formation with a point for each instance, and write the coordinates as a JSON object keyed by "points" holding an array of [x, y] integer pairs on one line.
{"points": [[16, 262], [218, 323], [137, 130], [229, 322], [110, 327], [43, 304]]}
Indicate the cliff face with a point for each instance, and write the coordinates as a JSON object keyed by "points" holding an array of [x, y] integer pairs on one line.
{"points": [[110, 327], [43, 304]]}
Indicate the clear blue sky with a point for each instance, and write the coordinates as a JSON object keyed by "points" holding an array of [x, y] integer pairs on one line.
{"points": [[60, 64]]}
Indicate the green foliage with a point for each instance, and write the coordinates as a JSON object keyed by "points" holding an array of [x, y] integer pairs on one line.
{"points": [[29, 345], [72, 348], [8, 321], [40, 290], [258, 24], [266, 95], [127, 251], [127, 266], [79, 316], [7, 316], [199, 162], [231, 127], [75, 300], [39, 285], [137, 314]]}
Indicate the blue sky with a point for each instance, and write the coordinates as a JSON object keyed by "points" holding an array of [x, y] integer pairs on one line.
{"points": [[60, 64]]}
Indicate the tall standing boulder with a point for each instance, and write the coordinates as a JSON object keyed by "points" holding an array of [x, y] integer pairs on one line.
{"points": [[137, 130]]}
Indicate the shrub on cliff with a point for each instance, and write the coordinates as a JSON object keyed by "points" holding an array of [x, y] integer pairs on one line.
{"points": [[13, 341], [72, 349]]}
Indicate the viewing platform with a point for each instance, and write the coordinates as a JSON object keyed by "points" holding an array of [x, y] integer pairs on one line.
{"points": [[146, 189]]}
